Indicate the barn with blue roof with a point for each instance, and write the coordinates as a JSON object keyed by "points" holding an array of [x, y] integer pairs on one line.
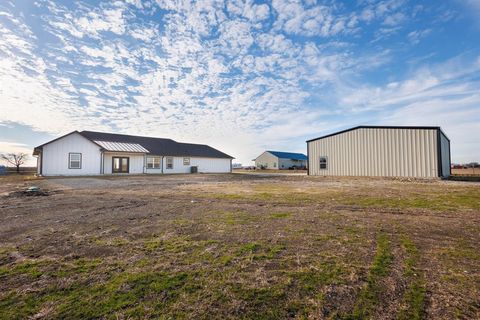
{"points": [[281, 160]]}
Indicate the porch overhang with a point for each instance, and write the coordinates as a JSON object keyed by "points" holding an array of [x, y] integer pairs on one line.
{"points": [[111, 146]]}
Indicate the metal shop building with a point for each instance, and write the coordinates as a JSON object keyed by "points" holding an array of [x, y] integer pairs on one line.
{"points": [[381, 151]]}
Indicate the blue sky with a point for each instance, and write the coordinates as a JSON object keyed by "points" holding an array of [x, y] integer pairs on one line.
{"points": [[242, 76]]}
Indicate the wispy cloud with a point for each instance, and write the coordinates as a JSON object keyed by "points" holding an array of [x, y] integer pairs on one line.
{"points": [[445, 94], [12, 147], [236, 74], [417, 35]]}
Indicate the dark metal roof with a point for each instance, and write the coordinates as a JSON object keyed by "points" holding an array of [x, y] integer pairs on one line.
{"points": [[288, 155], [159, 146], [155, 146], [382, 127]]}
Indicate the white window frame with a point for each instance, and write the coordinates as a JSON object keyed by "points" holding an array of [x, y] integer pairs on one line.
{"points": [[325, 158], [186, 161], [169, 162], [153, 162], [70, 160]]}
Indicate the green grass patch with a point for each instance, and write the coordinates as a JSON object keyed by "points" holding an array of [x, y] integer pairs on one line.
{"points": [[274, 250], [281, 215], [183, 248], [174, 244], [276, 196], [411, 256], [232, 217], [182, 222], [461, 250], [436, 201], [256, 251], [79, 266], [415, 302], [152, 244], [130, 294], [261, 303], [225, 260], [114, 242], [4, 254], [30, 268], [124, 295], [249, 248], [19, 306], [311, 280]]}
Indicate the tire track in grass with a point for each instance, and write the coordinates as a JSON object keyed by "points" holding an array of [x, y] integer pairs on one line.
{"points": [[415, 295], [370, 294]]}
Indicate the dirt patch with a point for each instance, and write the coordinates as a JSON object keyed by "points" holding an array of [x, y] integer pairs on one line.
{"points": [[240, 245]]}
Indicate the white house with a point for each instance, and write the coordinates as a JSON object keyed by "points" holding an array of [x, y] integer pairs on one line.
{"points": [[97, 153], [280, 160]]}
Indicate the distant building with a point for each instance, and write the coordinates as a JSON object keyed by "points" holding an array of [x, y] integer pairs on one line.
{"points": [[281, 160], [422, 152]]}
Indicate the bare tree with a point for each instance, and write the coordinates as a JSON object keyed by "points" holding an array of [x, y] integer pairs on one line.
{"points": [[15, 159]]}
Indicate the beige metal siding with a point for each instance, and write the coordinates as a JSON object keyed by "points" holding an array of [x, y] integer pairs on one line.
{"points": [[268, 160], [287, 163], [384, 152], [445, 150]]}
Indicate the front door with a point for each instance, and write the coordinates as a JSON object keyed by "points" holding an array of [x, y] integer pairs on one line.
{"points": [[120, 164]]}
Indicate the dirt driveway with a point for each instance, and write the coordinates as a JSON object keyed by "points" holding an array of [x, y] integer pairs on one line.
{"points": [[239, 246]]}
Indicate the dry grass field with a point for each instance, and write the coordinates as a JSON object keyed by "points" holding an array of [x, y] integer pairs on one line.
{"points": [[268, 171], [466, 172], [239, 246]]}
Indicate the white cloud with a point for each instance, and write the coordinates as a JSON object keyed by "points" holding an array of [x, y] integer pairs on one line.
{"points": [[319, 20], [207, 71], [415, 36], [472, 4], [235, 37], [105, 20], [13, 147], [394, 19], [367, 14], [458, 117], [445, 95], [248, 10]]}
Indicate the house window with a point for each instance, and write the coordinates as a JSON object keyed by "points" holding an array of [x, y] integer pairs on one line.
{"points": [[74, 161], [323, 163], [186, 161], [274, 164], [169, 163], [153, 162]]}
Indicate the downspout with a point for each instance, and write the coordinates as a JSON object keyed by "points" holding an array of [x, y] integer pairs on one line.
{"points": [[308, 160], [162, 163], [41, 163], [439, 155], [449, 159], [101, 162], [144, 162]]}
